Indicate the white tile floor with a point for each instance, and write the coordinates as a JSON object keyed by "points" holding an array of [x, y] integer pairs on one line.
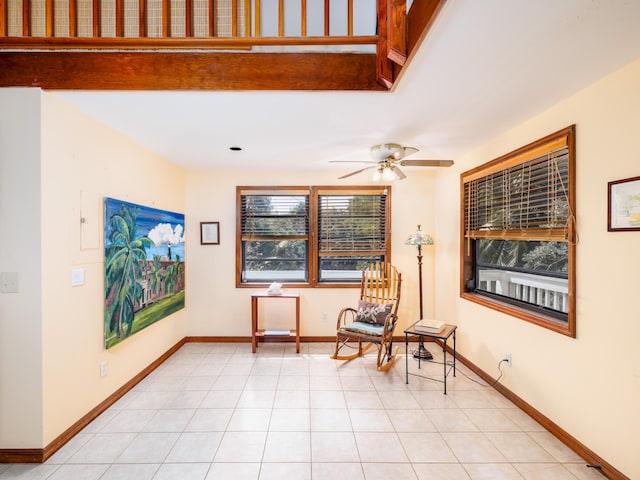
{"points": [[217, 411]]}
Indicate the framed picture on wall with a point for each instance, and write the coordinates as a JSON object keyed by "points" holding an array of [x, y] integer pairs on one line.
{"points": [[624, 205], [209, 233]]}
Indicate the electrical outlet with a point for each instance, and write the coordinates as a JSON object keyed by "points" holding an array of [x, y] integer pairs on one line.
{"points": [[103, 368], [324, 317], [507, 357]]}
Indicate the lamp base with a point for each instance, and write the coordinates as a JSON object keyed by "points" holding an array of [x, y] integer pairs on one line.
{"points": [[422, 353]]}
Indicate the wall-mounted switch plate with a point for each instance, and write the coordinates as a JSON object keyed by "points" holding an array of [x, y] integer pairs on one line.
{"points": [[77, 277], [9, 282]]}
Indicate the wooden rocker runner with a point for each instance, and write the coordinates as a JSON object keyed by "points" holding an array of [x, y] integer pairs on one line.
{"points": [[375, 318]]}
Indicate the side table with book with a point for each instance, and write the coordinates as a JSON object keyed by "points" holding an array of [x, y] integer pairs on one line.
{"points": [[435, 330]]}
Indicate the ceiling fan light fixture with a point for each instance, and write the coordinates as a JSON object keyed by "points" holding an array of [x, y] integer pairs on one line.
{"points": [[386, 150], [388, 175]]}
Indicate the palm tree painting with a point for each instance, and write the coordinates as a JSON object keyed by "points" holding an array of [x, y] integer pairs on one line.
{"points": [[144, 267]]}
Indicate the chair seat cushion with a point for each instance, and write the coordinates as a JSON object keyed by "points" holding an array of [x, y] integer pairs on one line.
{"points": [[365, 328], [375, 313]]}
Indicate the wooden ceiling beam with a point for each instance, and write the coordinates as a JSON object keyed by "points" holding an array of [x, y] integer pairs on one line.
{"points": [[189, 71]]}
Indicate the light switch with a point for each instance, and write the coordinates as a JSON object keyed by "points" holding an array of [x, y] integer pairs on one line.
{"points": [[77, 277], [9, 282]]}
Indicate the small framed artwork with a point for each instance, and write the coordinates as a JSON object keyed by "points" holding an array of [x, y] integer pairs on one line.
{"points": [[209, 233], [624, 205]]}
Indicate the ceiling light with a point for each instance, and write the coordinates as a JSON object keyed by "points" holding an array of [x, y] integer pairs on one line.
{"points": [[388, 175]]}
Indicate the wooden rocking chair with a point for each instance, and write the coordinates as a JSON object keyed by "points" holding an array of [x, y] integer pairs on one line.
{"points": [[374, 319]]}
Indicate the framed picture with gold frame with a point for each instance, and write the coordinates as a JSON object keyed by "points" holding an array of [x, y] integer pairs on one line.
{"points": [[209, 233]]}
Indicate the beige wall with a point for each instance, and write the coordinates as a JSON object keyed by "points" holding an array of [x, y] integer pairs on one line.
{"points": [[217, 307], [81, 155], [590, 385], [20, 326]]}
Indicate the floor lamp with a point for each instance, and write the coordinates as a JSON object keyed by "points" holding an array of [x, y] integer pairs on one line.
{"points": [[420, 238]]}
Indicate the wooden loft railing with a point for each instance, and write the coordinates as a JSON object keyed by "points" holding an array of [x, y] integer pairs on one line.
{"points": [[198, 45], [187, 24]]}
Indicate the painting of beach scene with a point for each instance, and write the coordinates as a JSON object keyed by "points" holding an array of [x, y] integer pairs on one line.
{"points": [[143, 267]]}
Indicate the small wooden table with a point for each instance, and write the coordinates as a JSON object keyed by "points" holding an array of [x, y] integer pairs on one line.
{"points": [[443, 336], [256, 333]]}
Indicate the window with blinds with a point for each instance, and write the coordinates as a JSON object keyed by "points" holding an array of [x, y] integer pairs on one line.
{"points": [[312, 235], [352, 233], [519, 232], [275, 236]]}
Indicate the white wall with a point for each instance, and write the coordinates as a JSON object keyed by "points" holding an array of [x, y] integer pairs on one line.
{"points": [[216, 307], [20, 252], [590, 385]]}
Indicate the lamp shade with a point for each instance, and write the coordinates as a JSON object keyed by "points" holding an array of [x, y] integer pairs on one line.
{"points": [[419, 238]]}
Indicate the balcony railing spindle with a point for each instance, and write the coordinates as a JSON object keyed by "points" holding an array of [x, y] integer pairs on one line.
{"points": [[48, 18], [73, 18], [26, 18]]}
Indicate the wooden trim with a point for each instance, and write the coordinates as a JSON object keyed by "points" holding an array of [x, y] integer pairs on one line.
{"points": [[188, 71], [142, 23], [95, 17], [281, 18], [234, 18], [73, 18], [574, 444], [303, 18], [327, 27], [212, 18], [119, 18], [61, 43], [397, 31], [166, 18], [49, 18], [384, 66], [350, 18], [21, 455], [247, 18], [307, 339], [521, 155], [420, 20], [3, 17], [188, 18], [26, 18]]}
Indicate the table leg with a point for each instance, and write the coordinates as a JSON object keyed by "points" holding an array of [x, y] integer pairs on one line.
{"points": [[254, 323], [454, 353], [444, 363], [406, 358], [297, 324]]}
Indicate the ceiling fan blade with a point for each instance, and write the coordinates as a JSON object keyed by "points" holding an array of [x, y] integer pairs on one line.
{"points": [[409, 151], [352, 161], [399, 173], [356, 172], [426, 163]]}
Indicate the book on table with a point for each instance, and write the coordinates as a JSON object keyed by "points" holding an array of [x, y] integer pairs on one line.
{"points": [[429, 326]]}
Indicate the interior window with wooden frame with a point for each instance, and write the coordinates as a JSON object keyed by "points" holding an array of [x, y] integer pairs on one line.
{"points": [[518, 233], [310, 236]]}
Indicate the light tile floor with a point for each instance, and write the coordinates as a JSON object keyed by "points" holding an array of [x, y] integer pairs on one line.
{"points": [[217, 411]]}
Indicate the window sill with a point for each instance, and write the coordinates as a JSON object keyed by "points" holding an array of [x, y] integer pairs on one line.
{"points": [[565, 328]]}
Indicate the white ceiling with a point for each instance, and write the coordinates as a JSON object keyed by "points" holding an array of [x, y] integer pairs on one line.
{"points": [[484, 66]]}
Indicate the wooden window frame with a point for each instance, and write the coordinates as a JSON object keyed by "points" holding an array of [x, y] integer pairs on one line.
{"points": [[540, 147], [313, 245]]}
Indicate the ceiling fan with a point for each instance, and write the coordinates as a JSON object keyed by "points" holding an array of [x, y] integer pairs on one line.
{"points": [[388, 157]]}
